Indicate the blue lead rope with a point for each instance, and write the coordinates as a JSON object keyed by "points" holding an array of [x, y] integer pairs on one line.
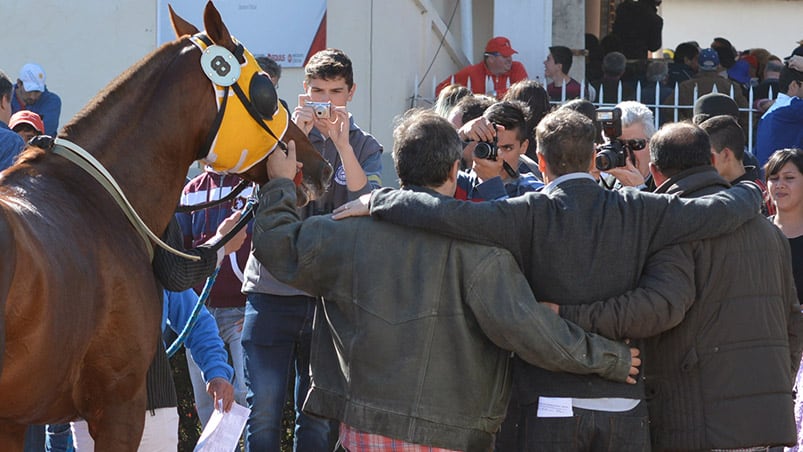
{"points": [[248, 213], [194, 316]]}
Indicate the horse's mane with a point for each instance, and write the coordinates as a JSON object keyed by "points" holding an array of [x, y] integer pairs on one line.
{"points": [[127, 89]]}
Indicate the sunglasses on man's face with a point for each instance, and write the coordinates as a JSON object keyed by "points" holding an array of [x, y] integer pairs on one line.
{"points": [[636, 145]]}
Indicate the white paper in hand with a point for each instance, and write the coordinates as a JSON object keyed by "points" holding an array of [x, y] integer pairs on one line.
{"points": [[222, 432]]}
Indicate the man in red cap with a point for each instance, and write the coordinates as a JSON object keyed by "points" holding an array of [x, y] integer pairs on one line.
{"points": [[27, 124], [494, 74]]}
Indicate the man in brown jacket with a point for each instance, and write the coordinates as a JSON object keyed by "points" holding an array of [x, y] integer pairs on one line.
{"points": [[722, 378]]}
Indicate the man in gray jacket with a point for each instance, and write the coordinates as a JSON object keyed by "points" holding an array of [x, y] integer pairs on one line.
{"points": [[412, 340], [576, 243]]}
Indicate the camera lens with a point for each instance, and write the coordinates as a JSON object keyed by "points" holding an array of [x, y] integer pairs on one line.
{"points": [[603, 161], [485, 150]]}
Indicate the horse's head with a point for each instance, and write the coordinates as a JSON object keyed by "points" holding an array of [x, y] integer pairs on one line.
{"points": [[251, 122]]}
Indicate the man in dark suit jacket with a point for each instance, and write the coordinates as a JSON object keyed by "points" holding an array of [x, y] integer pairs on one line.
{"points": [[576, 243]]}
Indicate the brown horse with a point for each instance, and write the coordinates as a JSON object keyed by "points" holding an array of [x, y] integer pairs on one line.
{"points": [[80, 308]]}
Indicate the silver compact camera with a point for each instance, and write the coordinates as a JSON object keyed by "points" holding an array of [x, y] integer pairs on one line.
{"points": [[321, 109]]}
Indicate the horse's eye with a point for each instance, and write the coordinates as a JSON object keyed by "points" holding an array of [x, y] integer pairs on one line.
{"points": [[263, 95]]}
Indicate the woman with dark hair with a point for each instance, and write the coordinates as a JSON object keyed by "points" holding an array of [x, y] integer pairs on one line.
{"points": [[784, 172]]}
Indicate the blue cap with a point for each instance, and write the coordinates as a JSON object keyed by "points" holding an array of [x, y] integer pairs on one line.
{"points": [[708, 59]]}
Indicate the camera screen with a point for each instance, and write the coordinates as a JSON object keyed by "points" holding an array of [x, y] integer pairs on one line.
{"points": [[604, 116]]}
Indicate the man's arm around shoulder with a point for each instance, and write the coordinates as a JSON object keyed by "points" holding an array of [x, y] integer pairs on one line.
{"points": [[509, 315]]}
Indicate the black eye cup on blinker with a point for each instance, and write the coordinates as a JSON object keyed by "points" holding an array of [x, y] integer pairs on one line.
{"points": [[263, 96]]}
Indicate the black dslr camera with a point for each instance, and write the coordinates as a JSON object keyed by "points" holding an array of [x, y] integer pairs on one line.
{"points": [[615, 153], [488, 150]]}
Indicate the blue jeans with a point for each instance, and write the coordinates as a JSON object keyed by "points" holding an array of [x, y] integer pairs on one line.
{"points": [[226, 319], [34, 438], [58, 438], [276, 344], [587, 430]]}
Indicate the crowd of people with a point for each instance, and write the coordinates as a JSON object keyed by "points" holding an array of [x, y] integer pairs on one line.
{"points": [[546, 278]]}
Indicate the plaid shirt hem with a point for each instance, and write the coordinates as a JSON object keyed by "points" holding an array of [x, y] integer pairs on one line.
{"points": [[354, 440]]}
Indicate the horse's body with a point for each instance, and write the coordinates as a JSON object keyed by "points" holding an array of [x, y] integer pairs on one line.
{"points": [[80, 305]]}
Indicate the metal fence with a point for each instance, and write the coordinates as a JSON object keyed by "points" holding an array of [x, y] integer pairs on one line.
{"points": [[674, 108]]}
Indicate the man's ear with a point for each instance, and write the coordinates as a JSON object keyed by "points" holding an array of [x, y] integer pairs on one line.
{"points": [[657, 175], [455, 169], [541, 163], [351, 91]]}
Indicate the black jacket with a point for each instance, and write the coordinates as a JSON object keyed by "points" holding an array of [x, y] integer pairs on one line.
{"points": [[638, 27]]}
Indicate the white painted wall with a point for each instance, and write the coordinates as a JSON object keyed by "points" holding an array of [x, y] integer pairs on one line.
{"points": [[771, 24], [82, 45]]}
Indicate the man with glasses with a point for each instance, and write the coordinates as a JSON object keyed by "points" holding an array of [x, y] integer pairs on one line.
{"points": [[493, 75], [638, 126]]}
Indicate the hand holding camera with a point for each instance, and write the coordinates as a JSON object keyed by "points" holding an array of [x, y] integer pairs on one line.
{"points": [[616, 153], [320, 110], [484, 133], [303, 116], [478, 129], [486, 168]]}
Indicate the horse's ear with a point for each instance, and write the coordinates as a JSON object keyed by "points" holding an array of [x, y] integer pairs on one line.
{"points": [[215, 28], [181, 26]]}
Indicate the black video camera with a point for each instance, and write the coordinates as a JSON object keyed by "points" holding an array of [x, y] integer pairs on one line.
{"points": [[615, 153]]}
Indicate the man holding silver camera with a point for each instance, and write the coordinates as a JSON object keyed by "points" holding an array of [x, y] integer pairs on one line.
{"points": [[278, 318]]}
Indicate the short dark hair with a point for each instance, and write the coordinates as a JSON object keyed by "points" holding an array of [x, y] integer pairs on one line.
{"points": [[5, 86], [685, 50], [788, 75], [725, 132], [329, 64], [613, 64], [773, 65], [425, 148], [532, 93], [679, 146], [562, 55], [566, 141], [726, 52], [512, 115], [780, 158], [270, 66], [588, 109], [472, 107]]}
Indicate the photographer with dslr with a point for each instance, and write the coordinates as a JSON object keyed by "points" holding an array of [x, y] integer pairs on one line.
{"points": [[637, 127], [500, 169]]}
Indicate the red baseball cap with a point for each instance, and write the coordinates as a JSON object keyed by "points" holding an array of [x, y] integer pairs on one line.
{"points": [[501, 45], [27, 117]]}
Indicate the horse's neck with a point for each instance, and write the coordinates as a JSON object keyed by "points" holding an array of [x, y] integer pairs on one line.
{"points": [[149, 138]]}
